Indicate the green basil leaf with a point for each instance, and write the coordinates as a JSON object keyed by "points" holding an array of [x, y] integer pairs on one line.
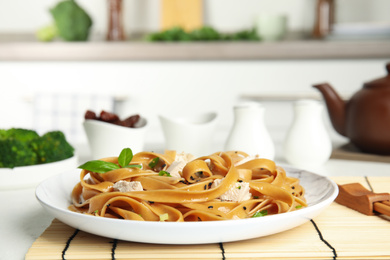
{"points": [[154, 162], [99, 166], [125, 157], [133, 166]]}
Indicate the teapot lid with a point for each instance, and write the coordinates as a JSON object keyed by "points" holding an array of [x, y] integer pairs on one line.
{"points": [[381, 82]]}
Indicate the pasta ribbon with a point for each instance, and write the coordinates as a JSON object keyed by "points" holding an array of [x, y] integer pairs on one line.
{"points": [[220, 186]]}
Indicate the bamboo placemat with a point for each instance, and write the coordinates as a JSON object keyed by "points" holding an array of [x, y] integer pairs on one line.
{"points": [[337, 233]]}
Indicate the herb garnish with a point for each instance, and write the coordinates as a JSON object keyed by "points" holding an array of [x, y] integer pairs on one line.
{"points": [[125, 157], [154, 162], [164, 173], [260, 214], [99, 166], [164, 217]]}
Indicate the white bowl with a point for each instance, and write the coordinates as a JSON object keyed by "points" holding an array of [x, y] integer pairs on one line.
{"points": [[107, 140], [31, 176]]}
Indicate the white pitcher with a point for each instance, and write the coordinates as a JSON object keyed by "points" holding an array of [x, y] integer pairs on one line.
{"points": [[190, 134], [307, 142], [249, 133]]}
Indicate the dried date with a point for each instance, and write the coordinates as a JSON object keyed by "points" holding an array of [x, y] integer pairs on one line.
{"points": [[108, 117], [113, 118], [90, 115], [131, 121]]}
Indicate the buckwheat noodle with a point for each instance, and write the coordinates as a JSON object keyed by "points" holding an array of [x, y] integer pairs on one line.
{"points": [[199, 192]]}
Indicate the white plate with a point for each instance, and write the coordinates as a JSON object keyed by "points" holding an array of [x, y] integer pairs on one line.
{"points": [[54, 195], [31, 176]]}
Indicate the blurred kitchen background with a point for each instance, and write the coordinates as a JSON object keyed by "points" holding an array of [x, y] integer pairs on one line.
{"points": [[47, 85]]}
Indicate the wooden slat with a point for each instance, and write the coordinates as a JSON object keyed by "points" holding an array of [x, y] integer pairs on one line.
{"points": [[351, 234]]}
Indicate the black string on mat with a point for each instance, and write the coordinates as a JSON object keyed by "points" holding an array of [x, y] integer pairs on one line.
{"points": [[323, 240], [222, 250], [113, 248], [115, 243], [68, 243]]}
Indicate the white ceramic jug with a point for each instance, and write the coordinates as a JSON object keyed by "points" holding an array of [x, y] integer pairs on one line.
{"points": [[190, 134], [249, 133], [307, 142]]}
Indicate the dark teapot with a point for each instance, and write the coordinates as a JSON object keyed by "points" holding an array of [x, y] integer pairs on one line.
{"points": [[365, 118]]}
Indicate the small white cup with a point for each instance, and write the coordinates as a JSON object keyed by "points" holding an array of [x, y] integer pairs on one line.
{"points": [[271, 27], [108, 140]]}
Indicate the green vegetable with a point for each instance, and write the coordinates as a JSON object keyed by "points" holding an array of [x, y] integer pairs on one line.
{"points": [[47, 33], [52, 147], [205, 33], [298, 206], [154, 162], [99, 166], [72, 22], [22, 147], [245, 35], [20, 134], [16, 153], [3, 134], [164, 173], [170, 35], [260, 214]]}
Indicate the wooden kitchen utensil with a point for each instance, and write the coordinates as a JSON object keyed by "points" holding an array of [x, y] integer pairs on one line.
{"points": [[357, 197]]}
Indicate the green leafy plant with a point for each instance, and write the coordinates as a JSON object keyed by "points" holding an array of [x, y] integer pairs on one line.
{"points": [[99, 166]]}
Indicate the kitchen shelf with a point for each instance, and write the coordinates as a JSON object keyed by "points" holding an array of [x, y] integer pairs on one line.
{"points": [[20, 49]]}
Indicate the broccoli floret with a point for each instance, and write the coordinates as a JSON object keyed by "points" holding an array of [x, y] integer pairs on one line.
{"points": [[52, 147], [23, 135], [3, 134], [16, 153]]}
